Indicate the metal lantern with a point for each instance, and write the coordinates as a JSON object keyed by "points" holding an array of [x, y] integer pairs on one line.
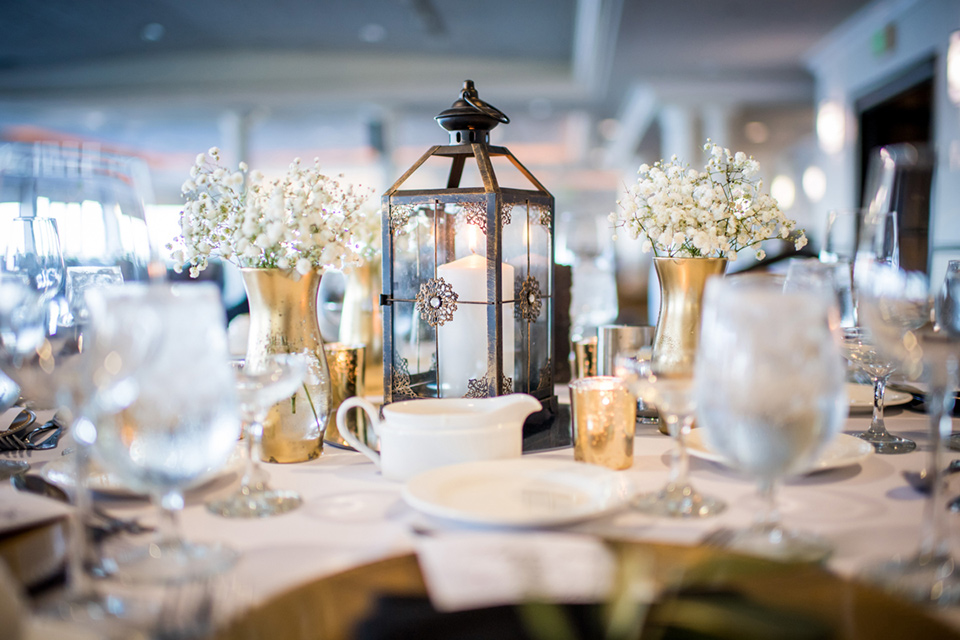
{"points": [[468, 274]]}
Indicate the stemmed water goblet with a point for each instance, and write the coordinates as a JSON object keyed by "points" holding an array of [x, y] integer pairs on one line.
{"points": [[261, 384], [183, 423], [32, 249], [770, 395], [669, 387], [895, 305], [860, 348]]}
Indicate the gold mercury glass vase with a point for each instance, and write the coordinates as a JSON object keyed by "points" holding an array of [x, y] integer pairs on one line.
{"points": [[283, 319], [682, 282]]}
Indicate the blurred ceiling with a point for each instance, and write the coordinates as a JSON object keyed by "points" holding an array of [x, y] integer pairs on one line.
{"points": [[92, 67]]}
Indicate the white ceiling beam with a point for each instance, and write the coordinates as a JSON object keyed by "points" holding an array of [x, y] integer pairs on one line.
{"points": [[594, 43], [638, 112]]}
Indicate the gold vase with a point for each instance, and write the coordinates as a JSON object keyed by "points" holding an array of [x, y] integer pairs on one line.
{"points": [[283, 319], [682, 282]]}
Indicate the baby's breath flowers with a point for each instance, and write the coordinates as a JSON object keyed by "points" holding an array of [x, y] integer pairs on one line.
{"points": [[303, 221], [682, 212]]}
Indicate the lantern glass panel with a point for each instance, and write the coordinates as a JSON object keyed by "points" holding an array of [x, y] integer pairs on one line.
{"points": [[414, 260], [530, 250]]}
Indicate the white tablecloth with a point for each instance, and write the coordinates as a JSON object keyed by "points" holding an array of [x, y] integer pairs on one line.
{"points": [[351, 515]]}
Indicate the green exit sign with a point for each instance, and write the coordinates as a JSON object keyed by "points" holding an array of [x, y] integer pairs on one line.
{"points": [[883, 40]]}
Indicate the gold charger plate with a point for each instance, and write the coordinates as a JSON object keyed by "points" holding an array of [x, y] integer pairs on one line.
{"points": [[330, 608]]}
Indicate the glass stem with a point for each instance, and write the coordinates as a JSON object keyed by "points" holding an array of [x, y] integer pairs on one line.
{"points": [[249, 467], [934, 541], [257, 480], [678, 426], [171, 504], [768, 516], [879, 388], [79, 585]]}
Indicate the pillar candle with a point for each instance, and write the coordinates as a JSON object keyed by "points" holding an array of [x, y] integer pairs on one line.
{"points": [[463, 340]]}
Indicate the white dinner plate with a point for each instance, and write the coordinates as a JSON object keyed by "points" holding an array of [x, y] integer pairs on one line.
{"points": [[861, 397], [61, 473], [843, 451], [518, 492]]}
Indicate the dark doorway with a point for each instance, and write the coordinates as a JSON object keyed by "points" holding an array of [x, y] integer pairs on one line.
{"points": [[901, 111]]}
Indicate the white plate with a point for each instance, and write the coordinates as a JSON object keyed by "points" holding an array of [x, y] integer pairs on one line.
{"points": [[843, 451], [61, 473], [861, 397], [519, 492]]}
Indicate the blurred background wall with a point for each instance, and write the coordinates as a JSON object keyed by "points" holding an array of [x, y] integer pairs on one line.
{"points": [[594, 88]]}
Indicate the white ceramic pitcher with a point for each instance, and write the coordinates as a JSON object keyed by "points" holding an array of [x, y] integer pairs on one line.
{"points": [[416, 435]]}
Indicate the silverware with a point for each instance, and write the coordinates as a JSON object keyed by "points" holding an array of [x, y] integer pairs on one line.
{"points": [[108, 525], [25, 434]]}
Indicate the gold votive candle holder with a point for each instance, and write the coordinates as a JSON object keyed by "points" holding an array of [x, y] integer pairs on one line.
{"points": [[347, 379], [604, 419]]}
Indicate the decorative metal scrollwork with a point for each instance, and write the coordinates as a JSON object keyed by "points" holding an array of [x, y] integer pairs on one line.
{"points": [[475, 213], [506, 213], [528, 299], [483, 388], [400, 388], [400, 217], [543, 217], [546, 376], [436, 301]]}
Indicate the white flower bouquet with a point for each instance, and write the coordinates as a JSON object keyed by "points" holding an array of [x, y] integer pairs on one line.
{"points": [[304, 220], [714, 213]]}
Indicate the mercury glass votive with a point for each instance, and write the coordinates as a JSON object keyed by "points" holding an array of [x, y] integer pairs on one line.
{"points": [[604, 418], [585, 357], [347, 379]]}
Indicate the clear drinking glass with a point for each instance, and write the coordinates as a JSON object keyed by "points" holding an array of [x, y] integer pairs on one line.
{"points": [[948, 317], [770, 395], [83, 278], [895, 306], [260, 385], [948, 299], [670, 389], [839, 250], [860, 348], [183, 423], [32, 249]]}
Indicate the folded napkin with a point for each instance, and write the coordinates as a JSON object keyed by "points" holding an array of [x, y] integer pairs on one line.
{"points": [[24, 430]]}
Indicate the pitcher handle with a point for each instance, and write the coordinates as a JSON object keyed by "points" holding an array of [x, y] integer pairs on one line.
{"points": [[348, 435]]}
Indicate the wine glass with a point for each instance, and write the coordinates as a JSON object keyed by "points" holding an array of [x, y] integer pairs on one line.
{"points": [[948, 300], [32, 249], [668, 385], [78, 383], [21, 332], [183, 423], [895, 306], [860, 349], [770, 395], [260, 385], [80, 279], [839, 251], [948, 316]]}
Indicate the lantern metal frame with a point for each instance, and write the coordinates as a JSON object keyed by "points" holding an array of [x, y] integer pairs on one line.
{"points": [[489, 207]]}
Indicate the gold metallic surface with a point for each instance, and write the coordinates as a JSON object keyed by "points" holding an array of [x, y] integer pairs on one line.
{"points": [[585, 357], [604, 418], [347, 363], [283, 319], [682, 281], [360, 321]]}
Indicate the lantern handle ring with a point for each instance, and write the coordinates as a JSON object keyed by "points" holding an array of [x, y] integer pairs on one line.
{"points": [[471, 98]]}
